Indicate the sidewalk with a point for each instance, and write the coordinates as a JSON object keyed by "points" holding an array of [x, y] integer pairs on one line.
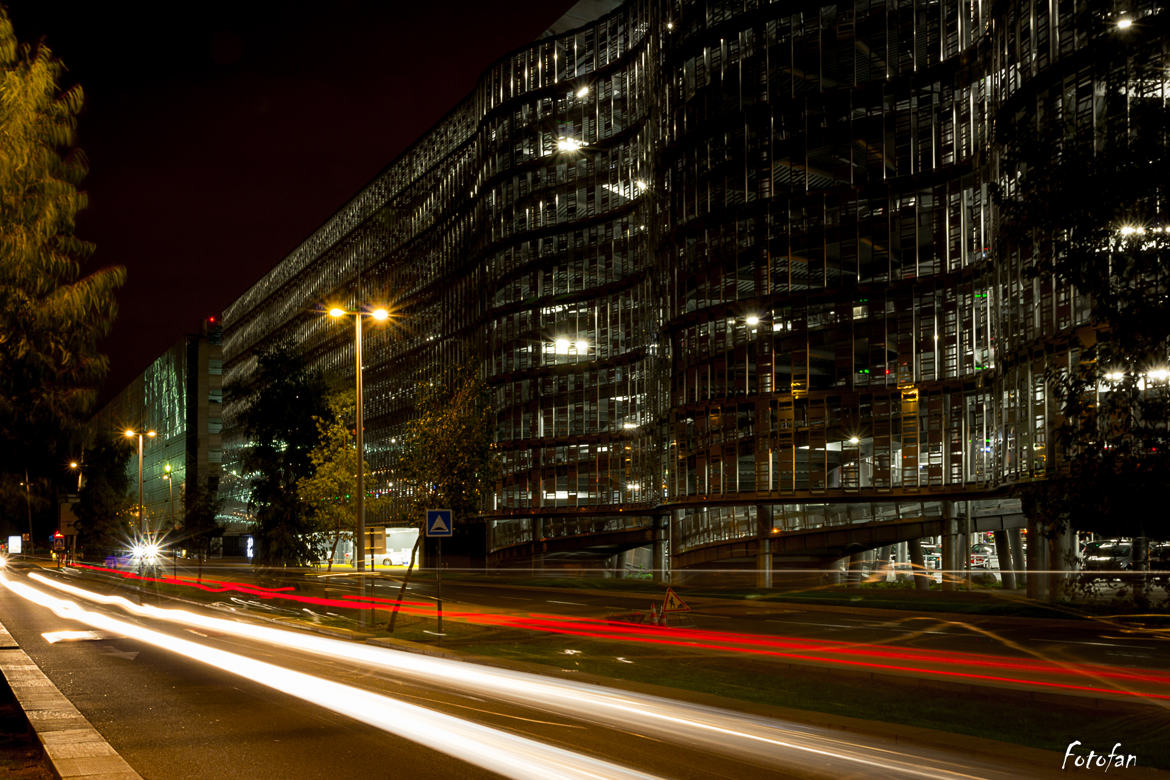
{"points": [[72, 744]]}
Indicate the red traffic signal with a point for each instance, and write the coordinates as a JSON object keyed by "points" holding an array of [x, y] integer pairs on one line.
{"points": [[58, 535]]}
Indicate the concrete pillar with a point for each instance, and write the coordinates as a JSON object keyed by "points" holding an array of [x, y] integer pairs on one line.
{"points": [[1059, 561], [922, 576], [1003, 551], [836, 571], [659, 558], [856, 563], [1036, 560], [537, 544], [966, 527], [1017, 560], [950, 544], [764, 552], [901, 559]]}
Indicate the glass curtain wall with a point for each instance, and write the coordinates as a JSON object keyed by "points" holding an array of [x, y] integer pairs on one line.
{"points": [[712, 257]]}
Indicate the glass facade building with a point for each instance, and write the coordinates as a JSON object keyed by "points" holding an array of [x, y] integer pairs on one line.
{"points": [[733, 269], [180, 397]]}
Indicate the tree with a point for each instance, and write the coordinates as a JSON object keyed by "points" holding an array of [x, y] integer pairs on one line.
{"points": [[447, 459], [200, 522], [1085, 200], [51, 313], [280, 422], [329, 492], [104, 505]]}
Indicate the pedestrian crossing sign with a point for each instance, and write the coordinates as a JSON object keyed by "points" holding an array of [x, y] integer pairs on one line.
{"points": [[673, 603], [439, 522]]}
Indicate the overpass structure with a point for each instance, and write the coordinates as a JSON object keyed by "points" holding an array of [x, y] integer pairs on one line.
{"points": [[762, 543]]}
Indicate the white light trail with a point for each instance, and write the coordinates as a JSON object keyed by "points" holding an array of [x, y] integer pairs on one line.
{"points": [[492, 749], [697, 726]]}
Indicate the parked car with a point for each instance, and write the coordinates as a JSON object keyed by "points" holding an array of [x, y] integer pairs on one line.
{"points": [[1108, 555], [984, 556], [931, 556], [1160, 561]]}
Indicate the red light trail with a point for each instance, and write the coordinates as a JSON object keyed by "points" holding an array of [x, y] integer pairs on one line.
{"points": [[931, 662]]}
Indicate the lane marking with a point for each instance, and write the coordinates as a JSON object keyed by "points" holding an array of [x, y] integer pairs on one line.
{"points": [[490, 748], [717, 730]]}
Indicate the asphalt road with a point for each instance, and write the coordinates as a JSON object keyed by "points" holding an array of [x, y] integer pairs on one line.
{"points": [[172, 717], [1079, 642], [1068, 644]]}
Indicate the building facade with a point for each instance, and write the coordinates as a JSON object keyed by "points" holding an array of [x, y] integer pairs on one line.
{"points": [[733, 270], [180, 397]]}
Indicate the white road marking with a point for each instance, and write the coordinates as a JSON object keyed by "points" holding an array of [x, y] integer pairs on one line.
{"points": [[53, 637]]}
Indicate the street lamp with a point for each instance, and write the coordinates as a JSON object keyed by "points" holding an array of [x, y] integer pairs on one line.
{"points": [[171, 490], [130, 434], [76, 467], [360, 520]]}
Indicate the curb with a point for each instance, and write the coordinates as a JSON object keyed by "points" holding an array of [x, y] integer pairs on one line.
{"points": [[73, 745]]}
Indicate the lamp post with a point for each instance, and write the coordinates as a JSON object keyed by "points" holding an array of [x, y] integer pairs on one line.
{"points": [[360, 519], [76, 467], [130, 434], [170, 491], [28, 508]]}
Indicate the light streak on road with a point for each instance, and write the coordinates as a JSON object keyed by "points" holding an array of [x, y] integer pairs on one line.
{"points": [[493, 749], [971, 667], [697, 726]]}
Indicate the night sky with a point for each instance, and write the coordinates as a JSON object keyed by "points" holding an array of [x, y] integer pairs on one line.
{"points": [[220, 138]]}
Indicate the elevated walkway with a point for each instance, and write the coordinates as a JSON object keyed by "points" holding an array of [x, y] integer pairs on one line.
{"points": [[830, 543], [805, 546]]}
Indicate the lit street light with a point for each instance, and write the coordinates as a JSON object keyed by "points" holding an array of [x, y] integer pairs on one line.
{"points": [[360, 520], [32, 545], [77, 467], [171, 490], [130, 435]]}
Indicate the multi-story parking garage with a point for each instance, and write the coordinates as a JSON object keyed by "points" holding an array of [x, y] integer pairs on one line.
{"points": [[732, 269]]}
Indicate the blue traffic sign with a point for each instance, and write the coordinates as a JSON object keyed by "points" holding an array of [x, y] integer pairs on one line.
{"points": [[439, 522]]}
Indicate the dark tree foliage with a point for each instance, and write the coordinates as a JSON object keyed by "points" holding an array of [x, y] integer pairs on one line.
{"points": [[200, 523], [330, 493], [1084, 195], [447, 459], [105, 509], [52, 312], [281, 425]]}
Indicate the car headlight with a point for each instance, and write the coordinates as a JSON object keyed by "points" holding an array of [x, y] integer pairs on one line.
{"points": [[146, 551]]}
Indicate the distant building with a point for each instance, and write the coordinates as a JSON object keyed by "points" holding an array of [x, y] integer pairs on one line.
{"points": [[180, 397], [732, 270]]}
